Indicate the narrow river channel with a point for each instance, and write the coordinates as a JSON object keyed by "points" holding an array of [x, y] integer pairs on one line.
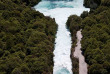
{"points": [[61, 10]]}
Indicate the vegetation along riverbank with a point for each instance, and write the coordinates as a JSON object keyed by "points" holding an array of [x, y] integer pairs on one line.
{"points": [[95, 27], [26, 38]]}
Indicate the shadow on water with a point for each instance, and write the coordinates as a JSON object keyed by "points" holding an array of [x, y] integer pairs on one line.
{"points": [[62, 71]]}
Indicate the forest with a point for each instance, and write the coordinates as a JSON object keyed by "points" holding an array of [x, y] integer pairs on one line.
{"points": [[95, 27], [73, 24], [26, 38]]}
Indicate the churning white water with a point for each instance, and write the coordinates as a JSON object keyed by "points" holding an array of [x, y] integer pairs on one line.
{"points": [[61, 10]]}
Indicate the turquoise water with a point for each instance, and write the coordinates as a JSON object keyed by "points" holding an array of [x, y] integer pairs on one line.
{"points": [[54, 4], [61, 10], [62, 71]]}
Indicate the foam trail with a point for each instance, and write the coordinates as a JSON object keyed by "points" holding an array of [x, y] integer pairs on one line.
{"points": [[61, 10]]}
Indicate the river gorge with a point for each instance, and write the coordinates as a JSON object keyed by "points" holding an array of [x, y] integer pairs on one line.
{"points": [[61, 10]]}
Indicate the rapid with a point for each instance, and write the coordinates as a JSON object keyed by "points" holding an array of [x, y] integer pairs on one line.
{"points": [[61, 10]]}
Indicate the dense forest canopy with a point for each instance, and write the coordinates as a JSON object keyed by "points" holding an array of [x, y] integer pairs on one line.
{"points": [[73, 24], [26, 38], [95, 27]]}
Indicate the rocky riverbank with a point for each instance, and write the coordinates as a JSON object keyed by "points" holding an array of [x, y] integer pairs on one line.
{"points": [[73, 24], [95, 27]]}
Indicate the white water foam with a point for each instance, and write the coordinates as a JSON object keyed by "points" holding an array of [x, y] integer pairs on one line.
{"points": [[61, 10]]}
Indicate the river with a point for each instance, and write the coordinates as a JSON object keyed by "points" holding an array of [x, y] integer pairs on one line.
{"points": [[61, 10]]}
